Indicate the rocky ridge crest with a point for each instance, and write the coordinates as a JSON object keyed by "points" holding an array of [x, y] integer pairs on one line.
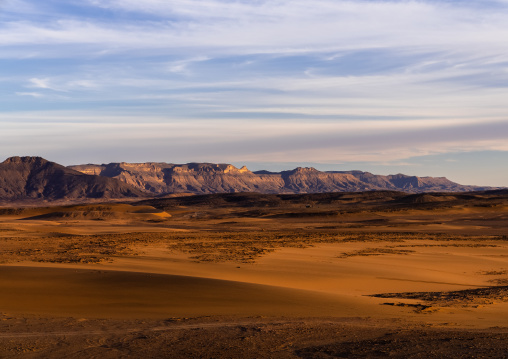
{"points": [[205, 178]]}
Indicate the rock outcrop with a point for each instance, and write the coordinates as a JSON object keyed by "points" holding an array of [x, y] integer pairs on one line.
{"points": [[24, 178], [205, 178]]}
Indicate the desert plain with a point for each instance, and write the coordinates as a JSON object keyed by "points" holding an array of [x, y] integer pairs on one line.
{"points": [[246, 275]]}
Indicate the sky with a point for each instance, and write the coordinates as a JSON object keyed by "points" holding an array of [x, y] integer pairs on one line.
{"points": [[392, 86]]}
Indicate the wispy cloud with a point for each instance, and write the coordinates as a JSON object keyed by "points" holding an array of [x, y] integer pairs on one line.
{"points": [[63, 84], [326, 80], [182, 66], [274, 27], [281, 141], [32, 94], [42, 84]]}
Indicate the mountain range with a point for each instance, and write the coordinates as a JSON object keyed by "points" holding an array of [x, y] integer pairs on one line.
{"points": [[205, 178], [34, 178]]}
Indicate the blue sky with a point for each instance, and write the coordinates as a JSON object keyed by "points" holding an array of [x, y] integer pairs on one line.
{"points": [[418, 87]]}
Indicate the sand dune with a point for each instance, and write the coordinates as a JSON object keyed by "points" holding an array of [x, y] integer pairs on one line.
{"points": [[113, 294], [323, 280], [107, 270]]}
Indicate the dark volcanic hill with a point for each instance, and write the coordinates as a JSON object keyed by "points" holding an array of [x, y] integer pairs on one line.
{"points": [[206, 178], [25, 178]]}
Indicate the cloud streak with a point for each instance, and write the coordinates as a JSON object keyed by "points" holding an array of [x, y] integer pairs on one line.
{"points": [[272, 27], [236, 140], [328, 80]]}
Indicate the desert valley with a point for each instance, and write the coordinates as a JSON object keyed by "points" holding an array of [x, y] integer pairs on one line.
{"points": [[237, 179], [172, 261]]}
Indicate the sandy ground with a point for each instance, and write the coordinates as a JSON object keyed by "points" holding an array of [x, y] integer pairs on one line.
{"points": [[119, 280]]}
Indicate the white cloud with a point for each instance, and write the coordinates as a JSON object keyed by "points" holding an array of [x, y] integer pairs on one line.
{"points": [[32, 94], [42, 83], [39, 83], [63, 84], [182, 66]]}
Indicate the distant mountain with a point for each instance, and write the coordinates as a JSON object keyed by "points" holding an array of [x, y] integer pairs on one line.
{"points": [[26, 178], [205, 178]]}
